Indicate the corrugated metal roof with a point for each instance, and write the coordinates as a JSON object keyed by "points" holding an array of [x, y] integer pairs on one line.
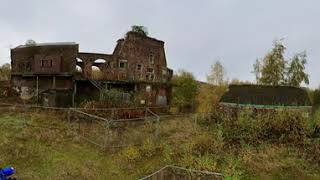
{"points": [[266, 95]]}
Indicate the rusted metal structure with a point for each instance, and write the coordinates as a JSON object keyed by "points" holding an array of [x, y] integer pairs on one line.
{"points": [[57, 73]]}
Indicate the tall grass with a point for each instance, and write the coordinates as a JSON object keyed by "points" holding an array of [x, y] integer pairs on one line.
{"points": [[277, 145]]}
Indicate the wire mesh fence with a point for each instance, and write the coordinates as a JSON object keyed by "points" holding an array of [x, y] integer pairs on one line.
{"points": [[181, 173], [105, 127], [109, 129]]}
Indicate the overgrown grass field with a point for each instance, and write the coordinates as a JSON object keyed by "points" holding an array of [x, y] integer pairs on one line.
{"points": [[280, 146]]}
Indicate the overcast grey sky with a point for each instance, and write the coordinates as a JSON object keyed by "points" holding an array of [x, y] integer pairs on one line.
{"points": [[196, 33]]}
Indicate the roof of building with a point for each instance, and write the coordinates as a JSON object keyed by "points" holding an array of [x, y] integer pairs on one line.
{"points": [[141, 35], [48, 44], [266, 95]]}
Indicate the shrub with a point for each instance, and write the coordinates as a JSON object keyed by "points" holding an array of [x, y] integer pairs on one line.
{"points": [[315, 124], [206, 143], [185, 91], [148, 148], [208, 97], [286, 126], [167, 153], [130, 154], [232, 169], [206, 162]]}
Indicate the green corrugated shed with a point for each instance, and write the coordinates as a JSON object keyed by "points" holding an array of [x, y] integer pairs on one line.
{"points": [[261, 95]]}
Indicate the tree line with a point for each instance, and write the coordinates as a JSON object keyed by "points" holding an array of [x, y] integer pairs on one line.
{"points": [[273, 69]]}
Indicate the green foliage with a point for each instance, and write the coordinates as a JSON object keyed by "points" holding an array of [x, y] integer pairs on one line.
{"points": [[295, 72], [131, 154], [251, 128], [316, 98], [315, 123], [275, 70], [140, 29], [232, 169], [208, 144], [5, 71], [114, 97], [148, 148], [208, 97], [249, 147], [185, 90], [273, 66]]}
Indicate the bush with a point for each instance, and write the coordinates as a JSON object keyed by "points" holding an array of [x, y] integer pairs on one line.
{"points": [[130, 154], [285, 126], [315, 124], [208, 97], [206, 143], [281, 126], [185, 91], [148, 148], [316, 98]]}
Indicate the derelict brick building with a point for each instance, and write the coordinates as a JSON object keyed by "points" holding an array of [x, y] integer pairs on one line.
{"points": [[57, 73]]}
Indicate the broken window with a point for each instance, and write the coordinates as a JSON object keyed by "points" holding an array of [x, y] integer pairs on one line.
{"points": [[150, 77], [139, 67], [150, 74], [151, 57], [150, 70], [123, 64], [46, 63]]}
